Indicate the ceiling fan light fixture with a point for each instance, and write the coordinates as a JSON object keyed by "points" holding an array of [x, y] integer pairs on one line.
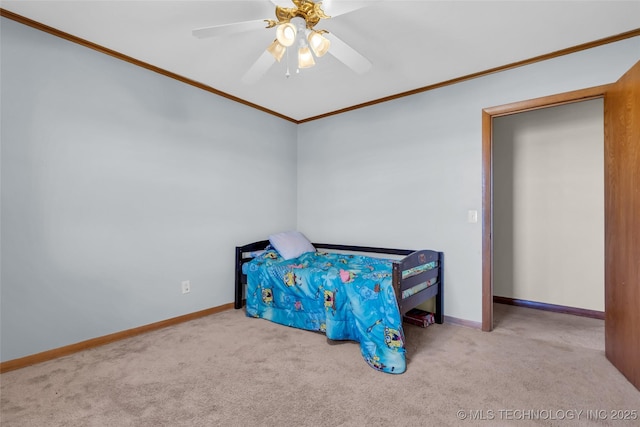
{"points": [[286, 34], [277, 50], [319, 44], [305, 58]]}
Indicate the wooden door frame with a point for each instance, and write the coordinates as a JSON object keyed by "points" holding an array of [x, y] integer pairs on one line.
{"points": [[487, 178]]}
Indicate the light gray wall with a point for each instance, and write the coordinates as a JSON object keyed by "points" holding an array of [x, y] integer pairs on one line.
{"points": [[548, 204], [404, 173], [117, 184]]}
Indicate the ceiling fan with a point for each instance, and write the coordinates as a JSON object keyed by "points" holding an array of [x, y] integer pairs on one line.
{"points": [[295, 28]]}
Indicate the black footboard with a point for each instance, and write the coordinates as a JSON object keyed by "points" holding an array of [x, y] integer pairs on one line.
{"points": [[417, 278]]}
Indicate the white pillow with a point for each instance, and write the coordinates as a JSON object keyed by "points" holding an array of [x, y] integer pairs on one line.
{"points": [[291, 244]]}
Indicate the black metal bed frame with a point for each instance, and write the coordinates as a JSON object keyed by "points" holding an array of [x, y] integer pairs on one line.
{"points": [[411, 259]]}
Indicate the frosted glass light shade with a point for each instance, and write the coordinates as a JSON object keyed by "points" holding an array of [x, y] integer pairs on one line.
{"points": [[305, 58], [286, 34], [277, 50], [318, 43]]}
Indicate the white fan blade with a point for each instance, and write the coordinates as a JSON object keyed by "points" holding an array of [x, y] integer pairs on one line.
{"points": [[336, 8], [259, 68], [347, 55], [225, 29]]}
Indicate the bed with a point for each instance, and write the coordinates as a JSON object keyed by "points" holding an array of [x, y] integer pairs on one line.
{"points": [[355, 293]]}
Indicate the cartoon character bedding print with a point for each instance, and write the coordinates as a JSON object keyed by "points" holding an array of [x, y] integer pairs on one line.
{"points": [[348, 297]]}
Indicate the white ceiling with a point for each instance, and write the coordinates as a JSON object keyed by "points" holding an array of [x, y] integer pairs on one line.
{"points": [[411, 44]]}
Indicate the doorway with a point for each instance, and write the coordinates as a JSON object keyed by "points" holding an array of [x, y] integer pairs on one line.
{"points": [[548, 217], [487, 149], [622, 204]]}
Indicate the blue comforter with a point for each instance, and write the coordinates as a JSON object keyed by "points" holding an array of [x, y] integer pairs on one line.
{"points": [[348, 297]]}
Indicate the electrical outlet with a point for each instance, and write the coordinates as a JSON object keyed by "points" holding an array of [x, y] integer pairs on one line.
{"points": [[186, 286]]}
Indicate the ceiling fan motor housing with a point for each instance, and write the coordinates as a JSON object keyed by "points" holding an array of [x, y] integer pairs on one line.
{"points": [[310, 11]]}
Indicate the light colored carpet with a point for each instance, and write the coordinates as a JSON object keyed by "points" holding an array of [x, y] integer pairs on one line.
{"points": [[230, 370]]}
